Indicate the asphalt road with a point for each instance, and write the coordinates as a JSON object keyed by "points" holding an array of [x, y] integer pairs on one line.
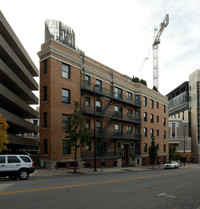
{"points": [[154, 189]]}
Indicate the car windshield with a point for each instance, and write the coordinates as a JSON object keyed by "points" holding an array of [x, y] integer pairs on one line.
{"points": [[169, 162]]}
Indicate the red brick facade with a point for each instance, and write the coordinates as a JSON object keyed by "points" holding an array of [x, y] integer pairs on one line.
{"points": [[119, 114]]}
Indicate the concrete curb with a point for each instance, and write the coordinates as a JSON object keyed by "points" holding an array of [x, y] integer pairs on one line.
{"points": [[48, 172]]}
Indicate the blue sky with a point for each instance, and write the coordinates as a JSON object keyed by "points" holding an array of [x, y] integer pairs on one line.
{"points": [[118, 33]]}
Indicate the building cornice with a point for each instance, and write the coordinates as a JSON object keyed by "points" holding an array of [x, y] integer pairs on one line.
{"points": [[95, 73]]}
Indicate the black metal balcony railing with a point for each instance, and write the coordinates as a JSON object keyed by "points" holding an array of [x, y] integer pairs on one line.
{"points": [[109, 93], [90, 155], [110, 114], [115, 135]]}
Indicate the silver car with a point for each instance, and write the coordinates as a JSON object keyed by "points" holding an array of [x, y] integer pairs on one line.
{"points": [[171, 164], [16, 166]]}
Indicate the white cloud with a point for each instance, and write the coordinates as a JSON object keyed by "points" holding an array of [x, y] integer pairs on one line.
{"points": [[117, 33]]}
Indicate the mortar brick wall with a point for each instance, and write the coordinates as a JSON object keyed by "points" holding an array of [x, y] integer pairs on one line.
{"points": [[57, 53]]}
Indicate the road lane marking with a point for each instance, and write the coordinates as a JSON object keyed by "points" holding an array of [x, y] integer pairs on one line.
{"points": [[80, 185]]}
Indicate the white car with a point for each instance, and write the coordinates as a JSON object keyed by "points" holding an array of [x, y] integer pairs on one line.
{"points": [[16, 166], [171, 164]]}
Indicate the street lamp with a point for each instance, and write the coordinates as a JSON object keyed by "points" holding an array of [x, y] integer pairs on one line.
{"points": [[184, 143], [95, 143]]}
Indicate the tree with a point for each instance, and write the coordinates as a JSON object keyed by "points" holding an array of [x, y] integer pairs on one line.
{"points": [[172, 151], [143, 82], [75, 130], [155, 88], [135, 79], [153, 151], [3, 134]]}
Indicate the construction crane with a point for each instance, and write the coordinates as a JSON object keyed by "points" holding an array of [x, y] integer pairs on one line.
{"points": [[156, 42]]}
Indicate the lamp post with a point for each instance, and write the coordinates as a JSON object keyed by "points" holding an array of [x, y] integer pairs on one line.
{"points": [[95, 143], [184, 144]]}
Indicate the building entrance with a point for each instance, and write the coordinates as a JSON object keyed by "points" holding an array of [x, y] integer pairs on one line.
{"points": [[125, 155]]}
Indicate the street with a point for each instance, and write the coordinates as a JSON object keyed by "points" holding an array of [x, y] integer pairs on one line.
{"points": [[162, 189]]}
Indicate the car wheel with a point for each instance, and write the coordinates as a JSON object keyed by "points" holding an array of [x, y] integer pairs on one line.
{"points": [[23, 174], [12, 177]]}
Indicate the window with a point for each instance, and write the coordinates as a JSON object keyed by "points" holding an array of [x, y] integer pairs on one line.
{"points": [[129, 111], [2, 159], [151, 118], [66, 96], [87, 79], [129, 95], [157, 105], [45, 146], [87, 124], [137, 114], [87, 101], [145, 116], [99, 83], [157, 119], [137, 99], [99, 126], [129, 129], [25, 159], [164, 147], [13, 159], [35, 122], [118, 93], [118, 129], [64, 120], [65, 71], [164, 108], [173, 130], [145, 132], [44, 93], [145, 101], [44, 67], [152, 132], [66, 149], [88, 146], [145, 147], [118, 110], [164, 121], [98, 105], [164, 134], [157, 132], [45, 120], [151, 103], [137, 130]]}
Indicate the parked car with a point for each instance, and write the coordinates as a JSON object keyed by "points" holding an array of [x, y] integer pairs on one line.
{"points": [[16, 166], [171, 164]]}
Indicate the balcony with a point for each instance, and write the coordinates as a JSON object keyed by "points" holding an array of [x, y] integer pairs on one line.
{"points": [[115, 135], [110, 114], [89, 155], [100, 91]]}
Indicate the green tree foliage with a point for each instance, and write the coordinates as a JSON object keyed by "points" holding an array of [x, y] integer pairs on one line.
{"points": [[153, 151], [143, 82], [172, 151], [137, 80], [75, 130], [155, 88], [3, 134]]}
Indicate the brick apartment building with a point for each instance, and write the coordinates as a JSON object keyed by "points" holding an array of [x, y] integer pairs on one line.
{"points": [[127, 114]]}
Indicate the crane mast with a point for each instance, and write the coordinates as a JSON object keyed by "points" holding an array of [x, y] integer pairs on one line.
{"points": [[156, 42]]}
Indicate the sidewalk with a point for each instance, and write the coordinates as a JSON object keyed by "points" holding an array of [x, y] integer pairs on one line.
{"points": [[56, 172]]}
